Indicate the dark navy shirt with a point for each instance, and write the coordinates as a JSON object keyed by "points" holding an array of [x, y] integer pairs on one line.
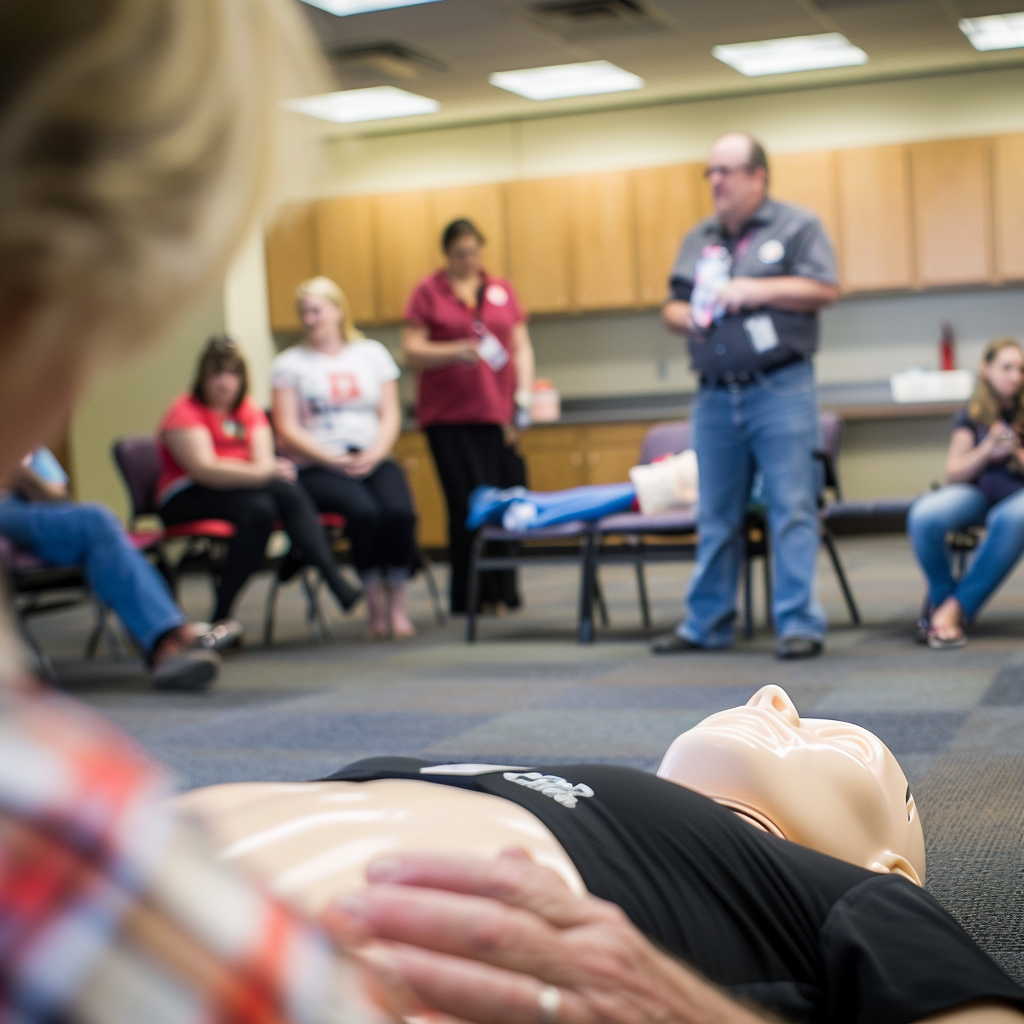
{"points": [[998, 479], [778, 241]]}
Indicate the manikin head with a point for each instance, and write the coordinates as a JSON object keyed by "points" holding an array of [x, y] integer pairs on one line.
{"points": [[831, 786], [737, 171]]}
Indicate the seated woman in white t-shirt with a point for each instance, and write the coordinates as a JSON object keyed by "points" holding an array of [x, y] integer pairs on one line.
{"points": [[336, 414]]}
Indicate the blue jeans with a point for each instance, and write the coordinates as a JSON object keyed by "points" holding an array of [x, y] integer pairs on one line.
{"points": [[770, 425], [955, 507], [91, 536]]}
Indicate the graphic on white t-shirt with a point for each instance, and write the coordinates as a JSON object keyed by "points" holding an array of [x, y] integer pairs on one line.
{"points": [[339, 395]]}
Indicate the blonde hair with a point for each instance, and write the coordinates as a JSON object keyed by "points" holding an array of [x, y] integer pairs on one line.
{"points": [[983, 406], [137, 145], [324, 288]]}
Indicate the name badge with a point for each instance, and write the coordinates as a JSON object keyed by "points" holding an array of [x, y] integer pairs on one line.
{"points": [[771, 251], [761, 332]]}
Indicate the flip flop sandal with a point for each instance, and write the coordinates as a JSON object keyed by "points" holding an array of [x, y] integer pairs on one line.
{"points": [[938, 643]]}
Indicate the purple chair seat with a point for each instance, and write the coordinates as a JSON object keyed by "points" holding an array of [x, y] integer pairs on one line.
{"points": [[883, 508], [559, 531], [17, 559], [680, 520]]}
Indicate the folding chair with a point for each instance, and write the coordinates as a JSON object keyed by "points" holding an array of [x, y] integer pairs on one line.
{"points": [[564, 544], [37, 587]]}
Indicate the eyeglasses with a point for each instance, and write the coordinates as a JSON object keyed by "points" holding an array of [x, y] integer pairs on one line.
{"points": [[725, 171]]}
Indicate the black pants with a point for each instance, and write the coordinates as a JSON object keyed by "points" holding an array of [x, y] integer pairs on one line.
{"points": [[254, 510], [380, 521], [466, 457]]}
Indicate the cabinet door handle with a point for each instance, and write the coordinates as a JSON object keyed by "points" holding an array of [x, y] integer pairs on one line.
{"points": [[576, 459]]}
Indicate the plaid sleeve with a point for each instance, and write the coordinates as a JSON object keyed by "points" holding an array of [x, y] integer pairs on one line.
{"points": [[113, 911]]}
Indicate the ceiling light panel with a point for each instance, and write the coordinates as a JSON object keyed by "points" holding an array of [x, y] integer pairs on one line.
{"points": [[995, 32], [342, 8], [353, 105], [797, 53], [560, 80]]}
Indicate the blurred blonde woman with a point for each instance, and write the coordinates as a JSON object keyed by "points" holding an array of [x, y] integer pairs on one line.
{"points": [[337, 415], [136, 139]]}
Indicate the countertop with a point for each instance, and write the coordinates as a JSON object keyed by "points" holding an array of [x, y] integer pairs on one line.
{"points": [[869, 400]]}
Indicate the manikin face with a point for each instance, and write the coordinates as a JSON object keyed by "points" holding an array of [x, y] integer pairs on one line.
{"points": [[320, 317], [1005, 373], [737, 191], [831, 786]]}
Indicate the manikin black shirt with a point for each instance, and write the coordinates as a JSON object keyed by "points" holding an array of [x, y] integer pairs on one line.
{"points": [[802, 934]]}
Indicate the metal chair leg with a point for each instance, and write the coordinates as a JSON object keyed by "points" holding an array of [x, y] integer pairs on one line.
{"points": [[641, 589], [314, 613], [427, 566], [588, 574], [748, 602], [602, 607], [473, 587], [768, 614], [103, 630], [837, 567], [41, 660], [270, 611]]}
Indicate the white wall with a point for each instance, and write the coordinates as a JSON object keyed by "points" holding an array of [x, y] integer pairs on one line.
{"points": [[246, 316], [947, 106]]}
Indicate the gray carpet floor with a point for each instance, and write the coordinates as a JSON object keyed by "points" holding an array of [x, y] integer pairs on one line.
{"points": [[526, 692]]}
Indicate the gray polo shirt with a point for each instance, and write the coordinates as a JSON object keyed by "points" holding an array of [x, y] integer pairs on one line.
{"points": [[778, 241]]}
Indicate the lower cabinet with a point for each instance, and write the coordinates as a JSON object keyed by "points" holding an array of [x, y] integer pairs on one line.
{"points": [[557, 457], [412, 453]]}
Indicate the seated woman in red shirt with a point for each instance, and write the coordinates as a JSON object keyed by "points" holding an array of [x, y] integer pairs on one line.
{"points": [[466, 334], [218, 462]]}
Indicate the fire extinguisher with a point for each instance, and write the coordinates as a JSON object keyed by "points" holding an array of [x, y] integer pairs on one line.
{"points": [[947, 347]]}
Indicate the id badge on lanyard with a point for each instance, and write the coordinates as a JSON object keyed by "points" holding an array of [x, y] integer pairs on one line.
{"points": [[491, 351]]}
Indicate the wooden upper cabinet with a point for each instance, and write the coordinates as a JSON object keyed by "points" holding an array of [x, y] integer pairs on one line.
{"points": [[344, 246], [537, 216], [809, 180], [1008, 157], [875, 245], [290, 261], [668, 204], [405, 251], [603, 225], [482, 204], [951, 182]]}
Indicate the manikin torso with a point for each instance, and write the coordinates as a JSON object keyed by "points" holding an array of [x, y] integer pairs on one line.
{"points": [[829, 785], [311, 841]]}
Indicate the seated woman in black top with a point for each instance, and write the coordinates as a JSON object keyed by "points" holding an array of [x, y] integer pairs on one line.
{"points": [[985, 474]]}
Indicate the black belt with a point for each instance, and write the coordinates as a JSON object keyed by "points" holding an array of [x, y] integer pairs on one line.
{"points": [[744, 378]]}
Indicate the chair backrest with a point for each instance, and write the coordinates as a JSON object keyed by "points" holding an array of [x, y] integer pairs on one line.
{"points": [[665, 439], [831, 433], [139, 461]]}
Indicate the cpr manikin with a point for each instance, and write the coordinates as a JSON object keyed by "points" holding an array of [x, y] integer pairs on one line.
{"points": [[828, 785]]}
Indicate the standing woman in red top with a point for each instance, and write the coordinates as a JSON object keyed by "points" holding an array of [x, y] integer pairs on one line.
{"points": [[466, 334], [218, 462]]}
